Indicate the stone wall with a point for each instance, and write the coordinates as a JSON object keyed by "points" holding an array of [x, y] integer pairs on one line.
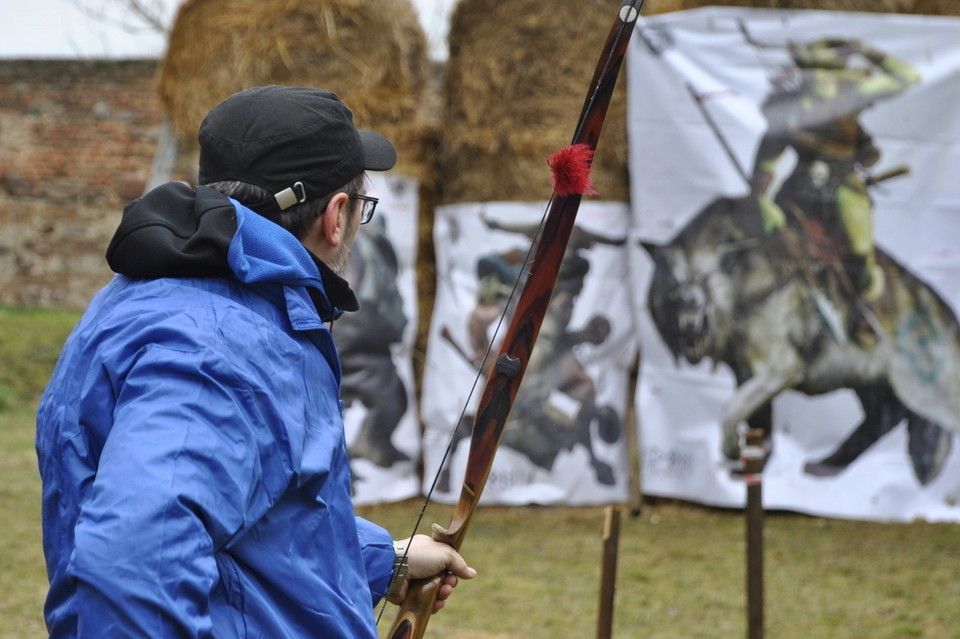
{"points": [[77, 140]]}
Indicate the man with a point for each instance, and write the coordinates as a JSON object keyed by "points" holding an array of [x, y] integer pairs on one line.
{"points": [[195, 475]]}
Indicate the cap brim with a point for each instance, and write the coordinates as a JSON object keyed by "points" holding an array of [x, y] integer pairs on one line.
{"points": [[379, 154]]}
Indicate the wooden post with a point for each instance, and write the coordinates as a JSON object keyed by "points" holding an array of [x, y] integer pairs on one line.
{"points": [[753, 461], [608, 576], [633, 441]]}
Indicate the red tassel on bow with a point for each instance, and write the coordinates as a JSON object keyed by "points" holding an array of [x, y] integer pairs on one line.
{"points": [[571, 170]]}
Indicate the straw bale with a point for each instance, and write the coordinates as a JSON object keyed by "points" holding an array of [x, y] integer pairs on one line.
{"points": [[372, 53], [924, 7], [516, 79]]}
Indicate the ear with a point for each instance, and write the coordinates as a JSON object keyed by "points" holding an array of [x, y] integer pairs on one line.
{"points": [[326, 233], [334, 219]]}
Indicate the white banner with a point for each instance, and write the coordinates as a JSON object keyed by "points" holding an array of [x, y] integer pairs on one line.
{"points": [[376, 347], [795, 185], [565, 440]]}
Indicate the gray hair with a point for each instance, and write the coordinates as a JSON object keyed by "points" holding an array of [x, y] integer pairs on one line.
{"points": [[298, 218]]}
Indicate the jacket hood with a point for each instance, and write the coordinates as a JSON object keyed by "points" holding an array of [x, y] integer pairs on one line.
{"points": [[178, 231]]}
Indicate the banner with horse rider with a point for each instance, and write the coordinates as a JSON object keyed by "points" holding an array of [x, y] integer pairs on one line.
{"points": [[796, 209]]}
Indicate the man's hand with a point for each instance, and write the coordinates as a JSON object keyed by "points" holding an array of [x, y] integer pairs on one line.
{"points": [[427, 558]]}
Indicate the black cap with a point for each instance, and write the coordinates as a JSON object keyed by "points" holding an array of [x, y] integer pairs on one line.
{"points": [[298, 143]]}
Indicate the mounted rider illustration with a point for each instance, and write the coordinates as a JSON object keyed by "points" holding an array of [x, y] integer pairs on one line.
{"points": [[814, 109], [786, 286]]}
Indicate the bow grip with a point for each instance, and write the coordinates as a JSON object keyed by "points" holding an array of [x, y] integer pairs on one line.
{"points": [[418, 604]]}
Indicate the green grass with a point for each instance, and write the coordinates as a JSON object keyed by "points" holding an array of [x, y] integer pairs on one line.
{"points": [[22, 575], [681, 575], [681, 567], [30, 342]]}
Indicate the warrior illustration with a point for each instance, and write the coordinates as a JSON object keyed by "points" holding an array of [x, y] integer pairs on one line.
{"points": [[537, 428], [365, 338], [815, 109], [765, 282]]}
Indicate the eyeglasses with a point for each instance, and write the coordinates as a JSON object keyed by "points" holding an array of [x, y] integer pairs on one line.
{"points": [[369, 205]]}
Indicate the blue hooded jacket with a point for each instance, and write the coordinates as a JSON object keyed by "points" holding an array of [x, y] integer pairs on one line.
{"points": [[190, 442]]}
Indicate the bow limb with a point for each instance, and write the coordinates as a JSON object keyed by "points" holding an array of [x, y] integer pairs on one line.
{"points": [[502, 385]]}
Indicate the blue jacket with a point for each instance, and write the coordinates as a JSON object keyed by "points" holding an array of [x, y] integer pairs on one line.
{"points": [[190, 442]]}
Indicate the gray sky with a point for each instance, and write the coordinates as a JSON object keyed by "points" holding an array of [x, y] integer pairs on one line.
{"points": [[58, 29]]}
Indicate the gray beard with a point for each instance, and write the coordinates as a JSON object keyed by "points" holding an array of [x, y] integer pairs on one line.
{"points": [[340, 260]]}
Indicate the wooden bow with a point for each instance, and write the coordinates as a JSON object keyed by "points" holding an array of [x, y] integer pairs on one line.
{"points": [[504, 380]]}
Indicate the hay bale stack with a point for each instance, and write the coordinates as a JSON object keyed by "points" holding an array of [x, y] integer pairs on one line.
{"points": [[372, 53], [924, 7], [517, 76], [654, 7]]}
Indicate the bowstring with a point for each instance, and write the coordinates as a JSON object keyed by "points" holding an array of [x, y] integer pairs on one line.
{"points": [[508, 308]]}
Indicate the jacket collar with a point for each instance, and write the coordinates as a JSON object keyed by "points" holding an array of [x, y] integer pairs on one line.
{"points": [[341, 297], [264, 253]]}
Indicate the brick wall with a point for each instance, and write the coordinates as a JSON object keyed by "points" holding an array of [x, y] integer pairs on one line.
{"points": [[77, 139]]}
